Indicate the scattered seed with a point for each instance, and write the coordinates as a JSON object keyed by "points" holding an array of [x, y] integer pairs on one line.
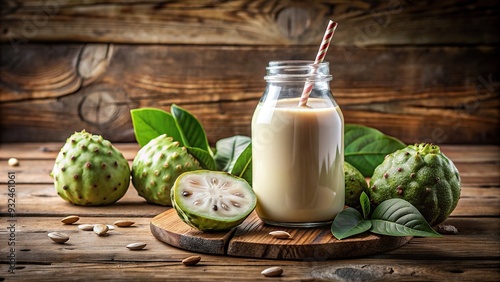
{"points": [[192, 260], [100, 229], [86, 227], [70, 219], [136, 246], [447, 229], [13, 162], [58, 237], [280, 234], [110, 227], [123, 223], [274, 271]]}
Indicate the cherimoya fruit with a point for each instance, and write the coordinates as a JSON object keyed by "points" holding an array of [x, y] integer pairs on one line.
{"points": [[421, 175], [90, 171], [157, 166]]}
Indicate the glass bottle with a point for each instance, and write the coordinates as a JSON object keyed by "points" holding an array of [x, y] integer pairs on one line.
{"points": [[298, 151]]}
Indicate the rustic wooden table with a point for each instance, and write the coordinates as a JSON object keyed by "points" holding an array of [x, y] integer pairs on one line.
{"points": [[35, 210]]}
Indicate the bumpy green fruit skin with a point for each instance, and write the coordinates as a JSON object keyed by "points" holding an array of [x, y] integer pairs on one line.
{"points": [[90, 171], [157, 166], [421, 175], [355, 184]]}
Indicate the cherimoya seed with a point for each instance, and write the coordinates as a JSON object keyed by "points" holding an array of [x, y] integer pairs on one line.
{"points": [[100, 229], [58, 237], [70, 219], [192, 260], [274, 271], [280, 234]]}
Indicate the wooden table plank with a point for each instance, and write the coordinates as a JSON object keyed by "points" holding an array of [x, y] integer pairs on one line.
{"points": [[474, 202], [416, 102], [85, 246], [349, 270], [42, 200], [86, 249], [251, 23]]}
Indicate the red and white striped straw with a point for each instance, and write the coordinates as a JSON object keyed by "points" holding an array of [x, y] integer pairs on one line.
{"points": [[325, 43]]}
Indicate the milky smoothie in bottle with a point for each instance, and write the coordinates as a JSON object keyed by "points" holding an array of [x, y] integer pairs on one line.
{"points": [[297, 159]]}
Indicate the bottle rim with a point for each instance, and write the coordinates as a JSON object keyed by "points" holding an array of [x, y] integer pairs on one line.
{"points": [[298, 71]]}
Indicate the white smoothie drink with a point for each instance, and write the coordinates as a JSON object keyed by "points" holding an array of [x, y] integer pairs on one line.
{"points": [[297, 159]]}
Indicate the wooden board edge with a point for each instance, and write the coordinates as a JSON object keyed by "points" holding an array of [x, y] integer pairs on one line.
{"points": [[191, 239]]}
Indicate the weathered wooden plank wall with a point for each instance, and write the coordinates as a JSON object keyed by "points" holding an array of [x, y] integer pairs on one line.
{"points": [[418, 70]]}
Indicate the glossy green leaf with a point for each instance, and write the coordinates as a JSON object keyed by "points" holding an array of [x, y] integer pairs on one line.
{"points": [[228, 151], [365, 148], [190, 128], [397, 217], [349, 222], [205, 159], [365, 205], [150, 123], [243, 165]]}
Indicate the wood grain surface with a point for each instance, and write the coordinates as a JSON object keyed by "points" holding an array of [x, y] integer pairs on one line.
{"points": [[470, 255], [249, 22], [408, 68], [444, 98]]}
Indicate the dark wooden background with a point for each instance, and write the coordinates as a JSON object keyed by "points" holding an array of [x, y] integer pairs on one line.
{"points": [[418, 70]]}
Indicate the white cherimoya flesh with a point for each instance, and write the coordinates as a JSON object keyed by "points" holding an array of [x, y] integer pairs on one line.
{"points": [[212, 200]]}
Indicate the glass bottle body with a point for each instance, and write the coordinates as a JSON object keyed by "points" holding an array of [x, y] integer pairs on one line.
{"points": [[297, 151]]}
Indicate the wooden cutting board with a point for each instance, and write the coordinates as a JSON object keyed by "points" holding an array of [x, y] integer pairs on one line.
{"points": [[251, 239]]}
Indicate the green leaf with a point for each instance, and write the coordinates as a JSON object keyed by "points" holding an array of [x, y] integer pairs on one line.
{"points": [[150, 123], [365, 204], [205, 159], [191, 130], [243, 165], [228, 151], [366, 148], [397, 217], [349, 222]]}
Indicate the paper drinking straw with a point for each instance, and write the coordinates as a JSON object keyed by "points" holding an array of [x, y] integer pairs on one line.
{"points": [[319, 58]]}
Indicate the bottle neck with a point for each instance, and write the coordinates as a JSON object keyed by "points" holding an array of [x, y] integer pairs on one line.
{"points": [[297, 72]]}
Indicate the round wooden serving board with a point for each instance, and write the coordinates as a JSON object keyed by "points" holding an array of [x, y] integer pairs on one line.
{"points": [[251, 239]]}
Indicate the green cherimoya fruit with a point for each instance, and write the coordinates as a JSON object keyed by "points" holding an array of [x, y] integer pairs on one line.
{"points": [[90, 171], [355, 185], [212, 200], [157, 166], [421, 175]]}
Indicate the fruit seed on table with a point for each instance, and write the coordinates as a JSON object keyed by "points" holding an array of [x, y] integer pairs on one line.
{"points": [[192, 260], [13, 162], [274, 271], [86, 227], [136, 246], [123, 223], [70, 219], [58, 237], [280, 234], [100, 229]]}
